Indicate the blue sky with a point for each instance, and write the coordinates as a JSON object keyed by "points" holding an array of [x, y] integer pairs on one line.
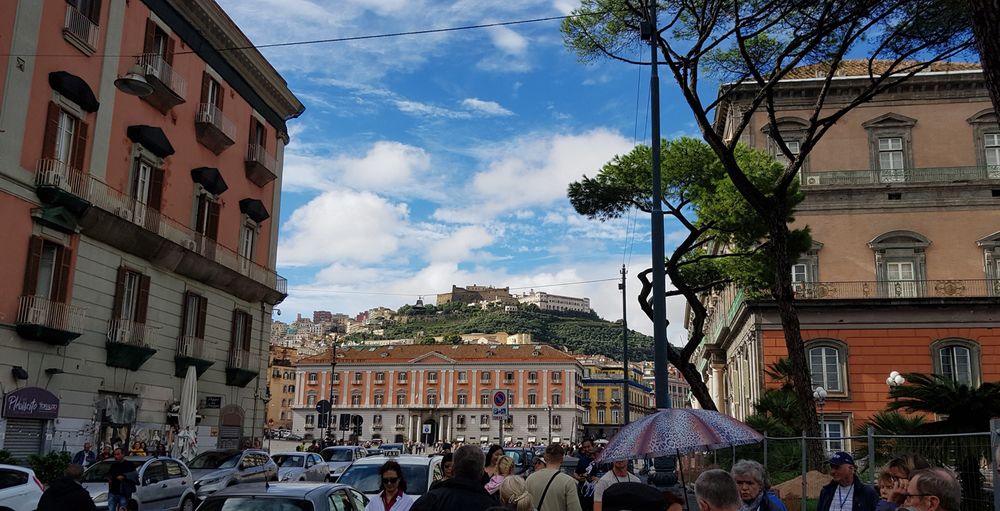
{"points": [[424, 161]]}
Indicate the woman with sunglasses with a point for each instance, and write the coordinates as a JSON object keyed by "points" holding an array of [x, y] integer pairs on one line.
{"points": [[393, 496]]}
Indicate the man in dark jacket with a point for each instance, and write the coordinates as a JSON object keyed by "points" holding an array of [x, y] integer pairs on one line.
{"points": [[463, 492], [66, 493], [846, 492]]}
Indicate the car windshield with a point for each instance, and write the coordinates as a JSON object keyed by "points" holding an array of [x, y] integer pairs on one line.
{"points": [[338, 455], [365, 478], [289, 460], [515, 454], [99, 472], [215, 459], [256, 504]]}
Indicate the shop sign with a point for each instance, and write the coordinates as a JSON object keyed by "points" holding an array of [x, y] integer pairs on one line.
{"points": [[30, 403], [213, 402]]}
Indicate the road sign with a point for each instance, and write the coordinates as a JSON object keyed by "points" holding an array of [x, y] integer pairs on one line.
{"points": [[356, 420], [501, 408], [427, 429], [323, 406]]}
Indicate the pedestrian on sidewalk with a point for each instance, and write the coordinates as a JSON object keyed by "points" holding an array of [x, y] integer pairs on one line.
{"points": [[618, 474], [755, 488], [550, 488], [464, 492], [846, 492], [66, 493], [716, 490]]}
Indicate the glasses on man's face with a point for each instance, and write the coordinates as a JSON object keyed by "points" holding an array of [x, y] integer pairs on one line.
{"points": [[390, 480]]}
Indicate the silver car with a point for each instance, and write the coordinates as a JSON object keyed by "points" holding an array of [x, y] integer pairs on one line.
{"points": [[215, 470], [164, 483], [301, 466], [420, 473], [339, 457]]}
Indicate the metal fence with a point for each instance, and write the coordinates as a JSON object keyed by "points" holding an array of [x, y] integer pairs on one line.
{"points": [[972, 456]]}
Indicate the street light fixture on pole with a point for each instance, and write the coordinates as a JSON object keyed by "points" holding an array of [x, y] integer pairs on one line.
{"points": [[333, 372], [819, 394], [549, 409], [894, 380]]}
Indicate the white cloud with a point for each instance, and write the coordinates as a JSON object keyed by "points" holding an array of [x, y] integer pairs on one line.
{"points": [[460, 245], [486, 107], [533, 172], [387, 165], [508, 41], [418, 108]]}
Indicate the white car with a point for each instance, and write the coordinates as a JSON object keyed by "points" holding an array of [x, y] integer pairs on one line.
{"points": [[19, 488], [420, 472], [301, 466]]}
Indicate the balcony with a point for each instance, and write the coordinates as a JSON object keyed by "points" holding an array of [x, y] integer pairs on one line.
{"points": [[532, 426], [897, 290], [260, 166], [239, 372], [460, 425], [40, 319], [128, 344], [556, 427], [191, 352], [79, 31], [400, 427], [484, 425], [113, 217], [169, 88], [213, 129], [377, 425], [849, 178]]}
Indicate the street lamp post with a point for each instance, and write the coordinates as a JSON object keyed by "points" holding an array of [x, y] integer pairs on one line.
{"points": [[894, 380], [549, 409], [333, 372], [819, 394]]}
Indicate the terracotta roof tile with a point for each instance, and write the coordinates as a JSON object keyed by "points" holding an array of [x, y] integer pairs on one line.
{"points": [[458, 352], [860, 68]]}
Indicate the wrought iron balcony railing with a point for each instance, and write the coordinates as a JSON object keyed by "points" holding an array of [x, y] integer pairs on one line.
{"points": [[132, 333], [155, 65], [898, 289], [79, 26], [816, 178], [35, 310], [210, 114], [190, 346]]}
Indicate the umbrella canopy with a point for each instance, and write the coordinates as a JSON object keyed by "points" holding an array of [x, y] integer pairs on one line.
{"points": [[677, 430], [185, 443]]}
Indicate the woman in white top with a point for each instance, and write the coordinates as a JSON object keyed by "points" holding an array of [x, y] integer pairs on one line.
{"points": [[393, 496]]}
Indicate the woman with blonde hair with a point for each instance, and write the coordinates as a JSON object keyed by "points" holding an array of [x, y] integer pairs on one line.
{"points": [[504, 469], [514, 494]]}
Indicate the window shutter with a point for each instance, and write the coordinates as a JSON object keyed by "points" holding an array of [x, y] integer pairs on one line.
{"points": [[219, 96], [61, 286], [116, 311], [51, 131], [147, 40], [156, 188], [233, 341], [94, 14], [202, 314], [247, 330], [169, 56], [204, 87], [142, 302], [72, 2], [79, 145], [35, 245], [213, 220], [185, 312], [199, 219]]}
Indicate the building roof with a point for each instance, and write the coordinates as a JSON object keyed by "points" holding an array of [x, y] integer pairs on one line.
{"points": [[448, 353], [859, 67]]}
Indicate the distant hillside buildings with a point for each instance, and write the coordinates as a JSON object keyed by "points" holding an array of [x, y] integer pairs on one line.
{"points": [[478, 295]]}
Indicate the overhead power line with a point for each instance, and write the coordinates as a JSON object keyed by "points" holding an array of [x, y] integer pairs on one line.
{"points": [[382, 293]]}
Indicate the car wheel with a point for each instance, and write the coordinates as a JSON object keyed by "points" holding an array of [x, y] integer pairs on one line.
{"points": [[187, 504]]}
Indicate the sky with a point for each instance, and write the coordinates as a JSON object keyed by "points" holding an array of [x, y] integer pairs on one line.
{"points": [[426, 161]]}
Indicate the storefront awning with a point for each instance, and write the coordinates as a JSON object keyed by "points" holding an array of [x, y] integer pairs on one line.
{"points": [[210, 178], [75, 89], [30, 403], [254, 209], [151, 138]]}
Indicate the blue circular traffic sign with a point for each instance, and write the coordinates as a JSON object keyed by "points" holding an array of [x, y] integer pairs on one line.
{"points": [[499, 398]]}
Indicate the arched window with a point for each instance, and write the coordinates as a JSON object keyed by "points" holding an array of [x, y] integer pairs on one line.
{"points": [[828, 365], [379, 399], [463, 398], [957, 360], [986, 133], [356, 398], [431, 398], [401, 398], [532, 398], [900, 264]]}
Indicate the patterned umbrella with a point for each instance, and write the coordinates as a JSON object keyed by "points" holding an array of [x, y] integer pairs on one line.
{"points": [[677, 430]]}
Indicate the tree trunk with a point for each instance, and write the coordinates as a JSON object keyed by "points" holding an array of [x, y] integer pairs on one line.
{"points": [[985, 16], [698, 388], [783, 295]]}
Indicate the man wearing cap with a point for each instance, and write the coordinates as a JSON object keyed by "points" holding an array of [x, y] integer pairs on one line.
{"points": [[846, 492]]}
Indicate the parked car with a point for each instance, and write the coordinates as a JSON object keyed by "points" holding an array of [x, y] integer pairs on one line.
{"points": [[19, 488], [282, 497], [164, 483], [339, 457], [301, 466], [524, 458], [419, 471], [215, 470]]}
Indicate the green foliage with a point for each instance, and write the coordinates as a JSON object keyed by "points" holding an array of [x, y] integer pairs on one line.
{"points": [[49, 466], [6, 458], [968, 408]]}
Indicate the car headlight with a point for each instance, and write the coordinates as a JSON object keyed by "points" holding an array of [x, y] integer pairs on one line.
{"points": [[210, 482], [101, 497]]}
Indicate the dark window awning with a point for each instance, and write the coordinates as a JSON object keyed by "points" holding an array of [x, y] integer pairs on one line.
{"points": [[210, 178], [151, 138], [254, 209], [75, 89]]}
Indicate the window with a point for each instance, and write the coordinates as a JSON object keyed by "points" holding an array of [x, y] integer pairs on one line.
{"points": [[799, 273], [889, 137], [827, 365], [484, 398], [462, 377], [508, 377], [357, 377], [460, 421], [355, 398], [432, 376], [586, 416], [310, 420], [431, 398], [957, 360], [401, 398], [900, 276], [484, 377], [400, 419], [600, 416], [402, 377], [556, 399], [335, 399], [616, 395], [311, 398], [900, 264], [313, 378], [379, 377], [207, 218], [615, 416], [336, 378], [890, 158], [248, 237], [987, 140], [379, 399], [991, 257], [991, 148], [463, 398], [833, 430], [484, 420], [47, 273], [532, 376], [601, 394], [532, 421], [556, 376], [64, 143], [377, 420], [532, 398]]}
